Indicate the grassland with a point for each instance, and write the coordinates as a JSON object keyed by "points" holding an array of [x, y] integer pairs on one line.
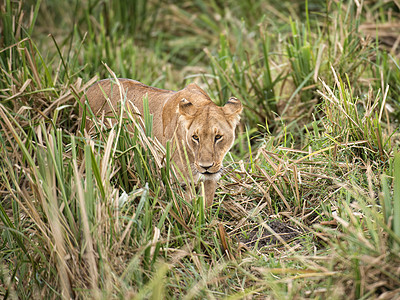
{"points": [[309, 205]]}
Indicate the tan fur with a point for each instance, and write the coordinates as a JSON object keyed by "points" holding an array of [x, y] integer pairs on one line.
{"points": [[187, 117]]}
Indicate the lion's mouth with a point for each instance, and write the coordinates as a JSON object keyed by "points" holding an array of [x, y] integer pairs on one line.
{"points": [[208, 173], [213, 173]]}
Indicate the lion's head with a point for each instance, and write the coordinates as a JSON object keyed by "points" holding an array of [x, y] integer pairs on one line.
{"points": [[209, 129]]}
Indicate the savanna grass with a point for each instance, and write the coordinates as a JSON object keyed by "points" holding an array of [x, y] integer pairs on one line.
{"points": [[101, 216]]}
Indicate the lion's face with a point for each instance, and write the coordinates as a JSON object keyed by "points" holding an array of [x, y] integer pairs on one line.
{"points": [[210, 133]]}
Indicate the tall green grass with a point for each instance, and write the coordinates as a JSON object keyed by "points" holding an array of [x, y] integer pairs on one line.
{"points": [[101, 216]]}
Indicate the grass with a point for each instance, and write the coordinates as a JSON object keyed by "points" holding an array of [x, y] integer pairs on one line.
{"points": [[309, 204]]}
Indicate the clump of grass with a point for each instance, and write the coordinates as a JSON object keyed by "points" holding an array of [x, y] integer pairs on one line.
{"points": [[302, 60], [365, 249], [352, 121]]}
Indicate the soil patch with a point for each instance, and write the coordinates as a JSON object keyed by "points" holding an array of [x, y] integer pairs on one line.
{"points": [[261, 237]]}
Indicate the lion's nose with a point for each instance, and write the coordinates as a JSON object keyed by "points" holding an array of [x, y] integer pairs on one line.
{"points": [[206, 166]]}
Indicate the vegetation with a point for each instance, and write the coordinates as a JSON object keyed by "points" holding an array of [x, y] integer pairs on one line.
{"points": [[309, 205]]}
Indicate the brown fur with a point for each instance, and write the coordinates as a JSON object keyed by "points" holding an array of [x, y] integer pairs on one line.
{"points": [[187, 117]]}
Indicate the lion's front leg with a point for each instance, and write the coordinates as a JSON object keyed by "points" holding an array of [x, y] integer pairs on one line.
{"points": [[209, 191]]}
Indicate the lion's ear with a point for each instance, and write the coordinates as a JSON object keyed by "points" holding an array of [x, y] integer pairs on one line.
{"points": [[232, 109], [186, 108]]}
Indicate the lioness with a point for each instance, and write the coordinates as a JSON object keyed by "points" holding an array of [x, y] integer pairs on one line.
{"points": [[187, 117]]}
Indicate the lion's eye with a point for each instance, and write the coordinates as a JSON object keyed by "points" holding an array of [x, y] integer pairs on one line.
{"points": [[218, 137], [195, 137]]}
